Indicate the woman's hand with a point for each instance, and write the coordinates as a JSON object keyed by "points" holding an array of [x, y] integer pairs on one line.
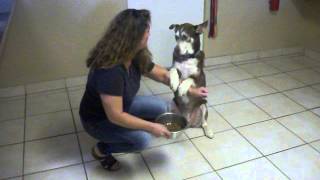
{"points": [[198, 92], [159, 130]]}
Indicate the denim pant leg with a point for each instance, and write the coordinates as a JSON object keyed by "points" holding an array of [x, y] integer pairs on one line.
{"points": [[148, 107], [119, 139]]}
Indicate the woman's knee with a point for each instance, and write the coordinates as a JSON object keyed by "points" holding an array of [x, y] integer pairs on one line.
{"points": [[149, 107], [141, 140], [161, 106]]}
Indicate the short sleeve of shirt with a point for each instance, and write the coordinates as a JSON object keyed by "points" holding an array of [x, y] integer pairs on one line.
{"points": [[109, 81], [150, 66], [144, 68]]}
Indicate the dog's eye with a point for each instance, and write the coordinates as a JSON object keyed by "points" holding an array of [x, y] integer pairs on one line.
{"points": [[184, 37]]}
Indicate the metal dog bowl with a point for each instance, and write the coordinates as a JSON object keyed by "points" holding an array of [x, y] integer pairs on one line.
{"points": [[175, 123]]}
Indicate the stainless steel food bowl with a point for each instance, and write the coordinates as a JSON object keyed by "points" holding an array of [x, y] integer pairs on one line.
{"points": [[168, 119]]}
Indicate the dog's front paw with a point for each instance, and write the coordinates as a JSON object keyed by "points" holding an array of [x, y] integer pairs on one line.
{"points": [[208, 132], [200, 55], [184, 86], [174, 79]]}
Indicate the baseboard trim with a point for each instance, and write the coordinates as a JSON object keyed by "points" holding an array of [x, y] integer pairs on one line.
{"points": [[212, 61]]}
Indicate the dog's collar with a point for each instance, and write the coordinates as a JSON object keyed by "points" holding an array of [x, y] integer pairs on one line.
{"points": [[185, 57]]}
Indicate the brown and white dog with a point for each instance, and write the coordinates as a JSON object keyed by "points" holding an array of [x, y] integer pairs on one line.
{"points": [[187, 71]]}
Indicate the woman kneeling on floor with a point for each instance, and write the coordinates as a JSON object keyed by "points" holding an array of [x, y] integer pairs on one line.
{"points": [[110, 111]]}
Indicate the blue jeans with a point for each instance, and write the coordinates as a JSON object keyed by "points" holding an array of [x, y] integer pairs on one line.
{"points": [[120, 139]]}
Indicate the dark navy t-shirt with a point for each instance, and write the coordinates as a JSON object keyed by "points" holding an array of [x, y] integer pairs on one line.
{"points": [[115, 81]]}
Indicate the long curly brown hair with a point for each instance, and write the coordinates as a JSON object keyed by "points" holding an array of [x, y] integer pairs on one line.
{"points": [[121, 40]]}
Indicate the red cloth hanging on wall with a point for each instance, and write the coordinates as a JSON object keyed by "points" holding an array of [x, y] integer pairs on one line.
{"points": [[274, 5], [213, 18]]}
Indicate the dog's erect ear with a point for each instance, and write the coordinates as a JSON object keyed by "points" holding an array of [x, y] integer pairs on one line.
{"points": [[175, 26], [200, 27]]}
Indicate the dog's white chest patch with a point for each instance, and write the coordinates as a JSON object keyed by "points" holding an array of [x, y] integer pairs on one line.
{"points": [[188, 67], [185, 47]]}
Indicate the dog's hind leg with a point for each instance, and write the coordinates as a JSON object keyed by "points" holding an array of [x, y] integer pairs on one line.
{"points": [[207, 131], [174, 108]]}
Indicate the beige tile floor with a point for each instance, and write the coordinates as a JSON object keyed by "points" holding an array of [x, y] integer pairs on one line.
{"points": [[265, 115]]}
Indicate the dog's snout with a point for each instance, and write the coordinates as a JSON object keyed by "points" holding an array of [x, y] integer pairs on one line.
{"points": [[182, 38]]}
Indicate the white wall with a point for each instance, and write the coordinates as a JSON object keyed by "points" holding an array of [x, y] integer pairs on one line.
{"points": [[51, 39], [164, 13]]}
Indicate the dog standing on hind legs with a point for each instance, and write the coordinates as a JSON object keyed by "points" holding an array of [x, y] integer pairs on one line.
{"points": [[187, 71]]}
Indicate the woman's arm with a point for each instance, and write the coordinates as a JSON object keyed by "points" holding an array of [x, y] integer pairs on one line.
{"points": [[161, 74], [113, 108]]}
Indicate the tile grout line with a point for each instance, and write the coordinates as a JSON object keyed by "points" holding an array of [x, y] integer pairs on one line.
{"points": [[314, 147], [145, 162], [53, 169], [51, 112], [203, 156], [76, 134], [11, 119], [179, 141], [10, 178], [12, 144], [257, 60], [53, 90], [234, 64], [238, 66], [168, 93], [249, 99], [307, 110], [71, 111], [217, 132], [273, 74], [254, 77], [24, 143], [60, 135], [50, 137], [291, 70], [88, 160], [253, 146], [233, 128], [145, 84], [201, 175], [280, 70], [148, 87], [257, 157], [306, 143], [306, 85], [246, 98], [47, 90], [24, 133], [277, 91], [275, 119]]}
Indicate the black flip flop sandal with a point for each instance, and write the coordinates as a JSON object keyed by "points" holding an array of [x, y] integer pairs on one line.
{"points": [[95, 155], [108, 162]]}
